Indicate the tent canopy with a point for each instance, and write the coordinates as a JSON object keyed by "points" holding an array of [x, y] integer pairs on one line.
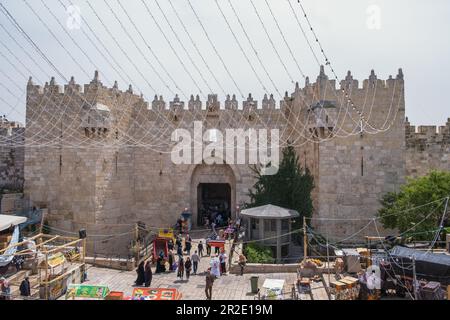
{"points": [[436, 258], [6, 221], [431, 266], [270, 212]]}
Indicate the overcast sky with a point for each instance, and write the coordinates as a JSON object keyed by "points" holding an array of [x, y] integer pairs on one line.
{"points": [[357, 35]]}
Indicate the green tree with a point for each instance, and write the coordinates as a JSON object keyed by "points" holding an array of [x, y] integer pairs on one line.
{"points": [[258, 254], [418, 207], [289, 188]]}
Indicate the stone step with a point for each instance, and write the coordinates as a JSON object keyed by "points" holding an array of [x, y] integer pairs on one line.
{"points": [[19, 276]]}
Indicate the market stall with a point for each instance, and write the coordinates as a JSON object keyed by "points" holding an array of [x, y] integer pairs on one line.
{"points": [[161, 242], [62, 264], [87, 292], [155, 294], [9, 237], [52, 261]]}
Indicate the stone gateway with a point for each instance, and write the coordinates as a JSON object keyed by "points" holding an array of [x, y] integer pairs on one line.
{"points": [[99, 158]]}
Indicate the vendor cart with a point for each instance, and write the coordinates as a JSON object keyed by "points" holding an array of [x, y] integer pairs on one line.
{"points": [[161, 242]]}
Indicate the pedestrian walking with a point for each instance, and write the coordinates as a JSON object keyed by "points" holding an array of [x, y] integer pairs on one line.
{"points": [[209, 284], [188, 244], [170, 258], [148, 275], [223, 261], [25, 288], [195, 260], [179, 252], [18, 262], [215, 266], [208, 249], [188, 267], [5, 289], [242, 262], [140, 274], [178, 241], [200, 248], [170, 245], [160, 264], [180, 273]]}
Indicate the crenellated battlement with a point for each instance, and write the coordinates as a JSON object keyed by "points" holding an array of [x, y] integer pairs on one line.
{"points": [[313, 91], [423, 137]]}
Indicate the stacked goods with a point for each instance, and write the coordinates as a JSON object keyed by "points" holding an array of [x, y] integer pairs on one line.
{"points": [[352, 260], [432, 291], [365, 259], [317, 262], [339, 265], [5, 240], [308, 264], [307, 268]]}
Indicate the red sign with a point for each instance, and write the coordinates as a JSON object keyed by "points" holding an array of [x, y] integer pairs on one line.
{"points": [[217, 243]]}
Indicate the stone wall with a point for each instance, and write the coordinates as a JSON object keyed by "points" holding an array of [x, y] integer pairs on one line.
{"points": [[99, 158], [12, 157], [352, 168], [427, 148]]}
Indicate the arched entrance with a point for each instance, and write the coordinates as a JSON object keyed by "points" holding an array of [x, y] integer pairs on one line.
{"points": [[213, 192]]}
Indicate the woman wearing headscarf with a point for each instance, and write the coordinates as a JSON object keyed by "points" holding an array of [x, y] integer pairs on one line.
{"points": [[148, 275], [140, 274], [188, 267], [180, 273]]}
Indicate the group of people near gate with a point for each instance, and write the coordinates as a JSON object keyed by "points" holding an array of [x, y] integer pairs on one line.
{"points": [[182, 261]]}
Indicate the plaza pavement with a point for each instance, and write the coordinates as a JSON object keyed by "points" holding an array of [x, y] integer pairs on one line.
{"points": [[227, 287]]}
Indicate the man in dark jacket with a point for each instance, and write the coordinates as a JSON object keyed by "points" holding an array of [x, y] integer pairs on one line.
{"points": [[209, 284], [200, 249], [25, 288], [188, 245]]}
